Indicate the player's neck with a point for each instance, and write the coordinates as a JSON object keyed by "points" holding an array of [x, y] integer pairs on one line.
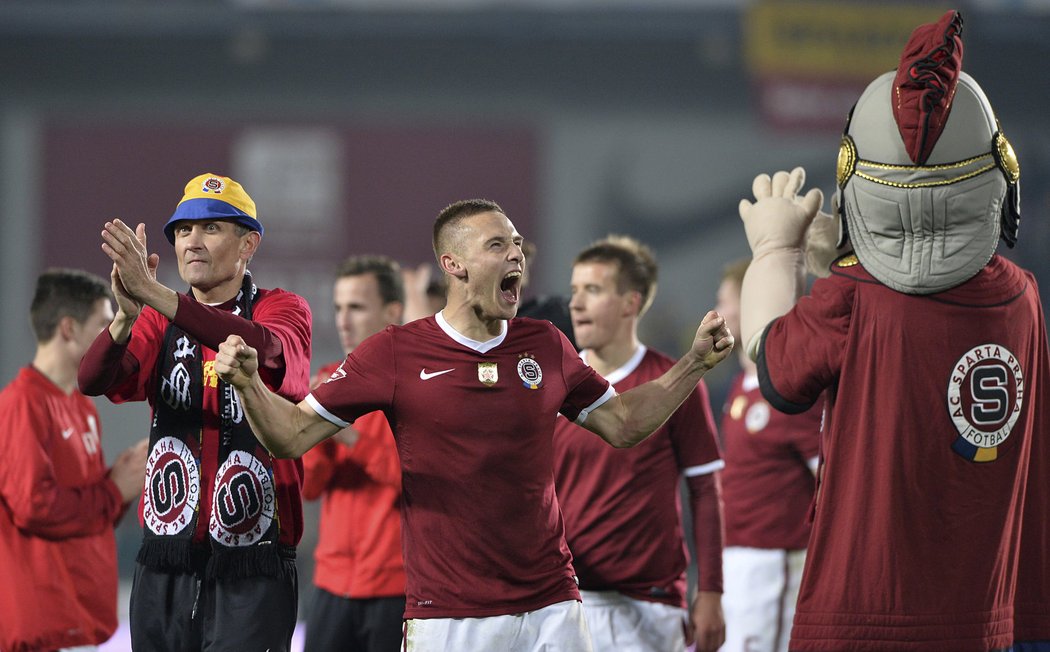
{"points": [[466, 320], [607, 359], [56, 366]]}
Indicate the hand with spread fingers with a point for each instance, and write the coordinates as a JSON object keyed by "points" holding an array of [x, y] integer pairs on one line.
{"points": [[778, 218], [134, 266], [129, 305]]}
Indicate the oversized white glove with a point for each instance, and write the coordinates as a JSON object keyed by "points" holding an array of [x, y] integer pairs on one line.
{"points": [[776, 225], [778, 218]]}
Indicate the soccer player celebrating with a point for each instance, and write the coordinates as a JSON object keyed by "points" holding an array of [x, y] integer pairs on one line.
{"points": [[623, 519], [471, 394]]}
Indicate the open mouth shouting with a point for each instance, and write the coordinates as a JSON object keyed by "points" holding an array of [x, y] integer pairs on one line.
{"points": [[510, 287]]}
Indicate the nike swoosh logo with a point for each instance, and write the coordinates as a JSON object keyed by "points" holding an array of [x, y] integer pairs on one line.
{"points": [[423, 375], [68, 432]]}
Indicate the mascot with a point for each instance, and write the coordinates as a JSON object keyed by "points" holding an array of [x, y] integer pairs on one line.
{"points": [[930, 519]]}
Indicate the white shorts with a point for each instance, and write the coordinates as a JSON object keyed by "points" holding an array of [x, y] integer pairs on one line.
{"points": [[559, 627], [618, 622], [761, 589]]}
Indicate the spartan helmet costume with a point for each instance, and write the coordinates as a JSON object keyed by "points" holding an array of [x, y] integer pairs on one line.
{"points": [[927, 181]]}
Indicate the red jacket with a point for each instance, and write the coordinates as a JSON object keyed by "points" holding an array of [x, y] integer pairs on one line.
{"points": [[358, 553], [58, 556]]}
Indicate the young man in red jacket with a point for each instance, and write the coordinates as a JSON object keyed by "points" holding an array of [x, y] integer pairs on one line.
{"points": [[58, 501], [359, 574]]}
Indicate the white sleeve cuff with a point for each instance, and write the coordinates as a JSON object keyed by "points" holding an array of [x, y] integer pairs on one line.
{"points": [[703, 469], [609, 393], [325, 414]]}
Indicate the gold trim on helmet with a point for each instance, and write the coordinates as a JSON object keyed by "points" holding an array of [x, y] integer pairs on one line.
{"points": [[922, 184], [1007, 159], [847, 161], [1002, 157], [925, 168]]}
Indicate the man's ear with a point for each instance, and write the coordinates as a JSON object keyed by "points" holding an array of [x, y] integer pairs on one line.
{"points": [[634, 303], [394, 312], [66, 327], [250, 244], [451, 265]]}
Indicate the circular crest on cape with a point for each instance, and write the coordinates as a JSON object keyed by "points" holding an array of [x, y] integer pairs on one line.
{"points": [[985, 395]]}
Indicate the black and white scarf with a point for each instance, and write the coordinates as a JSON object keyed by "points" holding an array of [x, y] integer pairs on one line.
{"points": [[243, 526]]}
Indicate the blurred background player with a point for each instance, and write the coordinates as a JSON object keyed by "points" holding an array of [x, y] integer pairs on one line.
{"points": [[473, 394], [622, 508], [931, 351], [221, 517], [58, 501], [767, 487], [359, 601]]}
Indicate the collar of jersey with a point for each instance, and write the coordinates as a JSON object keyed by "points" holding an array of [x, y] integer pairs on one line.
{"points": [[480, 347], [617, 375]]}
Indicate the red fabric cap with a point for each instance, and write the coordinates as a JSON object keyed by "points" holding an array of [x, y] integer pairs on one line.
{"points": [[925, 83]]}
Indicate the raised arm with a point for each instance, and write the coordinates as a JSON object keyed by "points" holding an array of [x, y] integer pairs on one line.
{"points": [[628, 418], [134, 277], [776, 225], [284, 428]]}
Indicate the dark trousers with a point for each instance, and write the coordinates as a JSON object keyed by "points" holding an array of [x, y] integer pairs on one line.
{"points": [[186, 612], [338, 624]]}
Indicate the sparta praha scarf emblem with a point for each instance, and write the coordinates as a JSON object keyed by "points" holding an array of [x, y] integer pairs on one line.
{"points": [[173, 487], [244, 501]]}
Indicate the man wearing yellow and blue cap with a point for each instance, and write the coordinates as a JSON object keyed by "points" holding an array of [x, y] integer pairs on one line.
{"points": [[221, 517], [211, 197]]}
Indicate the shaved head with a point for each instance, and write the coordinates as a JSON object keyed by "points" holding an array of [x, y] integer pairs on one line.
{"points": [[449, 229]]}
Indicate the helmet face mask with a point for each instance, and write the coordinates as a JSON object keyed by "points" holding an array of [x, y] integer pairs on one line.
{"points": [[921, 229]]}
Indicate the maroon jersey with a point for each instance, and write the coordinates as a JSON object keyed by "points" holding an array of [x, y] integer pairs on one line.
{"points": [[474, 423], [768, 483], [358, 552], [931, 418], [622, 507]]}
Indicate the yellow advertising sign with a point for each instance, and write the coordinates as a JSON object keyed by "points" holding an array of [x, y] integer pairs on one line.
{"points": [[829, 39]]}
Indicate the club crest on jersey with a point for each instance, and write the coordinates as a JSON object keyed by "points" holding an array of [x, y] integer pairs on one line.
{"points": [[529, 371], [213, 184], [757, 417], [173, 488], [244, 502], [736, 410], [985, 395], [488, 373]]}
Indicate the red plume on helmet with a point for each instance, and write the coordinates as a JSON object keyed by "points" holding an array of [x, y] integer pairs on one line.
{"points": [[925, 83]]}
